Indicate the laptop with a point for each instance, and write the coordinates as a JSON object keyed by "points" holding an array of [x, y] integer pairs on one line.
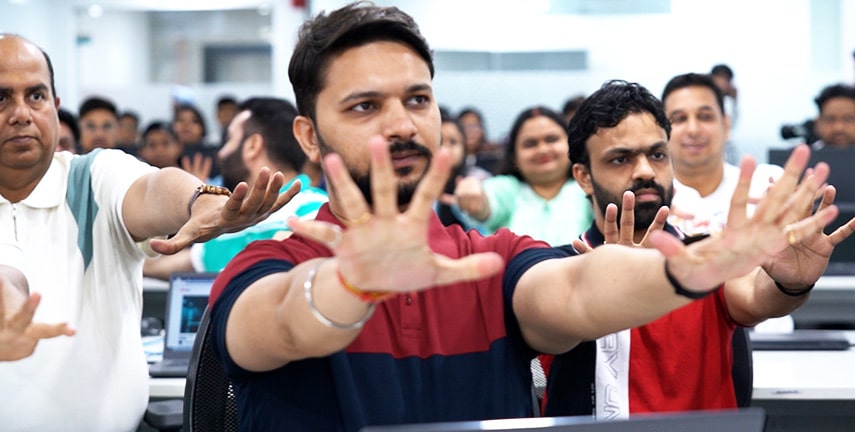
{"points": [[800, 340], [743, 420], [187, 297]]}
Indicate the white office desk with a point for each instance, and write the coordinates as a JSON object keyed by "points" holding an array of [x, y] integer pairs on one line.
{"points": [[805, 375], [166, 388], [781, 375], [806, 390]]}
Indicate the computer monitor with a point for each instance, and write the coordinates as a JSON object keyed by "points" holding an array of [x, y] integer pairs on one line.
{"points": [[842, 164], [743, 420], [841, 161]]}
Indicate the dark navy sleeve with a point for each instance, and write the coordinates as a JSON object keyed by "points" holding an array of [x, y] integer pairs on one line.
{"points": [[223, 307], [517, 266]]}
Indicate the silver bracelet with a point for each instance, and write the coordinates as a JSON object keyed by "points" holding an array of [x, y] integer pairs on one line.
{"points": [[307, 291]]}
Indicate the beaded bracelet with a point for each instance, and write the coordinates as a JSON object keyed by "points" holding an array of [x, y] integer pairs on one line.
{"points": [[206, 189], [307, 291]]}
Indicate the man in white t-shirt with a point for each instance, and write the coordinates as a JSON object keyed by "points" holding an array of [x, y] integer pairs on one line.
{"points": [[703, 181]]}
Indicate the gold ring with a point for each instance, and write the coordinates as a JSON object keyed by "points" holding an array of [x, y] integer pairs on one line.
{"points": [[337, 236], [361, 220], [791, 236]]}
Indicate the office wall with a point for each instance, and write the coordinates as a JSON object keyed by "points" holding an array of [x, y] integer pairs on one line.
{"points": [[782, 51]]}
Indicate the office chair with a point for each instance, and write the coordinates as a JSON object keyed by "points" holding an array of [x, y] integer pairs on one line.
{"points": [[743, 367], [209, 400]]}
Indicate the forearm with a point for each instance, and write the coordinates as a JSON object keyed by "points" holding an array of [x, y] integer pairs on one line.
{"points": [[271, 323], [163, 266], [563, 301], [156, 204]]}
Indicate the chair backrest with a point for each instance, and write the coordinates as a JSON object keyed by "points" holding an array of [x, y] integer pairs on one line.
{"points": [[209, 399], [743, 367]]}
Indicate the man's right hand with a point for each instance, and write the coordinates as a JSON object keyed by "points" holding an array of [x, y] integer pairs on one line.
{"points": [[385, 248]]}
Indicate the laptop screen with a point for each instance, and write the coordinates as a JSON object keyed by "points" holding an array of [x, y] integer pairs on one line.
{"points": [[188, 297]]}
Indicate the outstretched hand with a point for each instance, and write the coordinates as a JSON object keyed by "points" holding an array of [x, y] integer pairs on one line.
{"points": [[624, 233], [805, 260], [470, 197], [385, 248], [245, 207], [779, 220], [19, 335], [199, 165]]}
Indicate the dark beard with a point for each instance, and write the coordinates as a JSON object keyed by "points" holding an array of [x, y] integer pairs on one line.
{"points": [[233, 169], [363, 181], [645, 213]]}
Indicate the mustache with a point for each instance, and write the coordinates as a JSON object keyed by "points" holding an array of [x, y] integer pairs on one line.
{"points": [[648, 184], [409, 145]]}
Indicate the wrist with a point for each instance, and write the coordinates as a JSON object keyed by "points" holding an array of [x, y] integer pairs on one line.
{"points": [[679, 289], [308, 293], [798, 292], [365, 296], [205, 190]]}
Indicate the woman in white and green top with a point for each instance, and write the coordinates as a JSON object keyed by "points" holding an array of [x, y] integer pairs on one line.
{"points": [[535, 194]]}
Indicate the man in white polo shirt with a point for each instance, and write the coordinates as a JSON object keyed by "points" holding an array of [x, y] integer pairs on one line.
{"points": [[80, 222]]}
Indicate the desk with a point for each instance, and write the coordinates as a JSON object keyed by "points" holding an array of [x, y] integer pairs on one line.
{"points": [[832, 303], [806, 390], [805, 375], [778, 375], [166, 388]]}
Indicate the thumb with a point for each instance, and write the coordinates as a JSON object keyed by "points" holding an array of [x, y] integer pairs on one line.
{"points": [[46, 331], [667, 244], [169, 246], [470, 267], [580, 246]]}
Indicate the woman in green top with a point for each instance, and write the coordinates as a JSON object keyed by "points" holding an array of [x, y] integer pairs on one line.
{"points": [[535, 193]]}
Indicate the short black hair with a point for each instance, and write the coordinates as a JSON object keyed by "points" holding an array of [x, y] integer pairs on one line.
{"points": [[326, 35], [606, 108], [572, 104], [226, 100], [834, 91], [158, 125], [723, 70], [66, 117], [131, 115], [694, 80], [97, 103], [273, 119]]}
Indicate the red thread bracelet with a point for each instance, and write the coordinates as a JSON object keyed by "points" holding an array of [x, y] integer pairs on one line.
{"points": [[366, 296]]}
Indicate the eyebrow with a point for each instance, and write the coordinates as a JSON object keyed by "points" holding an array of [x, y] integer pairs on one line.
{"points": [[375, 94], [28, 90], [619, 151], [701, 108]]}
